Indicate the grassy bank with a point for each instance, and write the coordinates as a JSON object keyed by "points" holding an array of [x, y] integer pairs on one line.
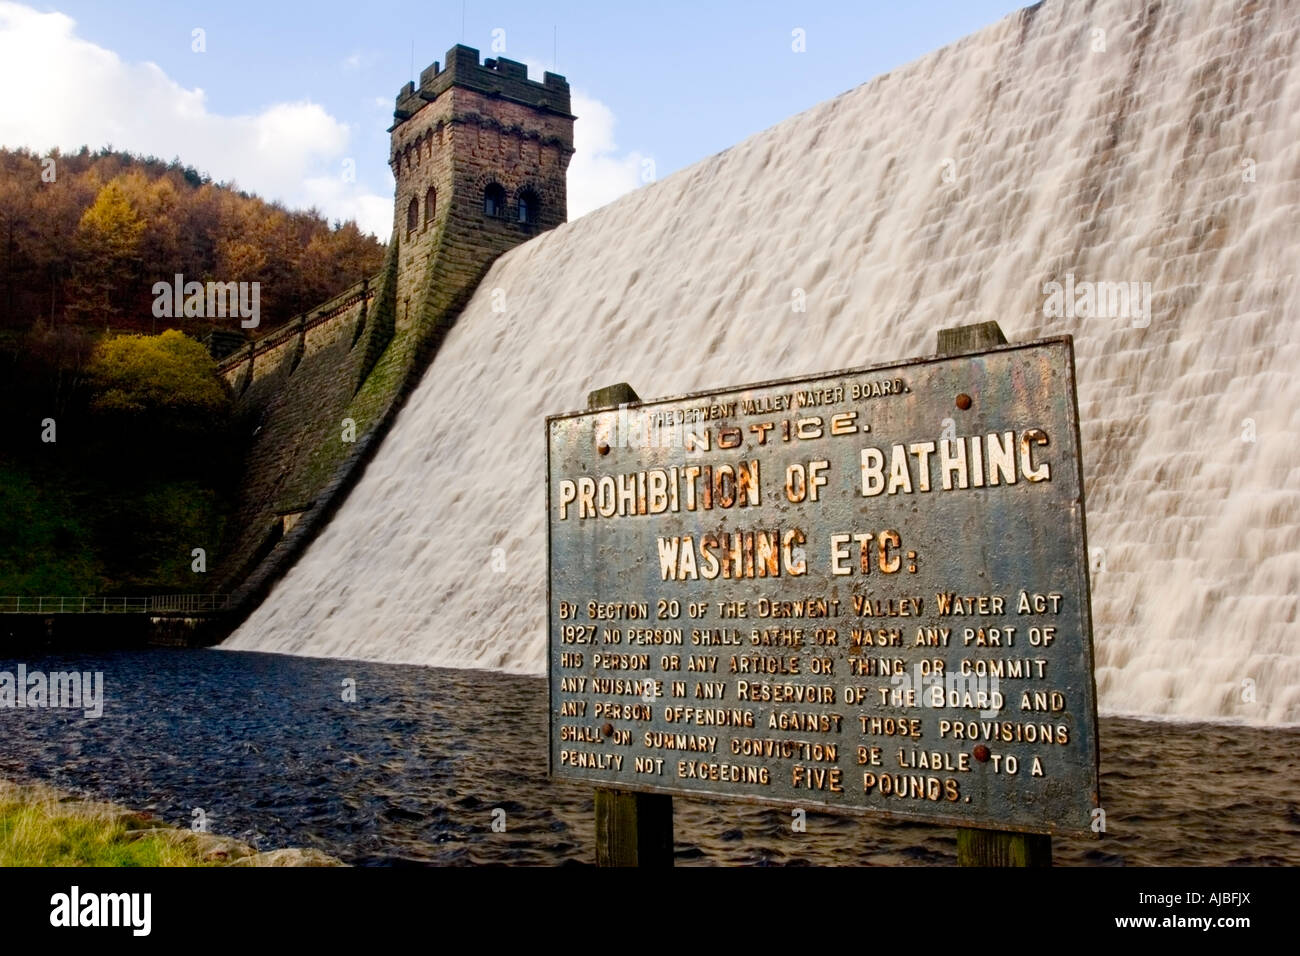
{"points": [[42, 826]]}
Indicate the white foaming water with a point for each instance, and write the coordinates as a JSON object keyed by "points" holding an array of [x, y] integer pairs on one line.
{"points": [[947, 192]]}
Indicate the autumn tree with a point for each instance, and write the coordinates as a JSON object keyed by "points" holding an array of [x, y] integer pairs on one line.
{"points": [[169, 374], [108, 246], [85, 245]]}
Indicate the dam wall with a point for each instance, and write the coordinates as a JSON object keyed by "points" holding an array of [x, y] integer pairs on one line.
{"points": [[1096, 148]]}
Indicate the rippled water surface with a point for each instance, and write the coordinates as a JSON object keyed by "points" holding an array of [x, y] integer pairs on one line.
{"points": [[412, 772]]}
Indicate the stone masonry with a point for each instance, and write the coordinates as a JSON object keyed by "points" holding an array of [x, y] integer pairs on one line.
{"points": [[466, 129], [480, 154]]}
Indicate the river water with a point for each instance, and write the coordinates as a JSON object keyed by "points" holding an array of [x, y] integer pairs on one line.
{"points": [[413, 770]]}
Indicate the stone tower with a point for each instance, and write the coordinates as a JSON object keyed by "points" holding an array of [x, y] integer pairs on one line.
{"points": [[479, 152]]}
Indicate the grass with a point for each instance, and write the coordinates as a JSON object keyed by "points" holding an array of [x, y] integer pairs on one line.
{"points": [[39, 826], [42, 826]]}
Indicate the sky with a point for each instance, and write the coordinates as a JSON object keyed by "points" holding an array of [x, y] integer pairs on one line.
{"points": [[293, 100]]}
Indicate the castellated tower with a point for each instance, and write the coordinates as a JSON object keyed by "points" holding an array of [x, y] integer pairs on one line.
{"points": [[479, 152]]}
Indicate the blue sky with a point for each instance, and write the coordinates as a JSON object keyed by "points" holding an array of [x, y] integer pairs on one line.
{"points": [[285, 93]]}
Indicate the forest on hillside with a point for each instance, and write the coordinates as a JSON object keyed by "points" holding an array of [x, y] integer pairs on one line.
{"points": [[125, 454], [84, 236]]}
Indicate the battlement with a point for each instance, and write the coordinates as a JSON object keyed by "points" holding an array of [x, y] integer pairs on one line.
{"points": [[479, 154], [499, 77]]}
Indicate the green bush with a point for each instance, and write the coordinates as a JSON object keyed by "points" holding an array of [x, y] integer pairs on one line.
{"points": [[169, 378]]}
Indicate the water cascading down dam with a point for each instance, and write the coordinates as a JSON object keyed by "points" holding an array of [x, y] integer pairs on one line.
{"points": [[1125, 172]]}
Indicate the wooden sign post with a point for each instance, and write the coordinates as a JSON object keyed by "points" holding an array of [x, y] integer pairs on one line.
{"points": [[991, 847], [632, 829]]}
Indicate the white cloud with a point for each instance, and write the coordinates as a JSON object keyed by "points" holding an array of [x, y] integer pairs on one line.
{"points": [[359, 60], [64, 91], [598, 172], [338, 200], [67, 92]]}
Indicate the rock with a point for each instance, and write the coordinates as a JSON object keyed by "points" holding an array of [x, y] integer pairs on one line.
{"points": [[292, 856]]}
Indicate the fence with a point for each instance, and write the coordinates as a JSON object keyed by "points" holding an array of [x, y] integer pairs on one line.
{"points": [[157, 604]]}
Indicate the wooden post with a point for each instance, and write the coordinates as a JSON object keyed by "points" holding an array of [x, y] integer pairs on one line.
{"points": [[1001, 848], [991, 847], [632, 829]]}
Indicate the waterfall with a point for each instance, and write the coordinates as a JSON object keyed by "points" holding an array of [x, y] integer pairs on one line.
{"points": [[1076, 144]]}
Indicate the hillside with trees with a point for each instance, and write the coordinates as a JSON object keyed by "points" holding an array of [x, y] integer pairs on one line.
{"points": [[123, 457], [84, 236]]}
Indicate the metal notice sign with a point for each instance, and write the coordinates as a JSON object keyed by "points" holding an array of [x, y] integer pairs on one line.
{"points": [[862, 591]]}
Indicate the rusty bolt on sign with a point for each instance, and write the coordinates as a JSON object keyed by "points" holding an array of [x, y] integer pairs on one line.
{"points": [[607, 729], [963, 401], [981, 753], [603, 448]]}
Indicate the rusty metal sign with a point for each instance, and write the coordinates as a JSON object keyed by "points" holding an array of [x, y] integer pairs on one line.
{"points": [[862, 591]]}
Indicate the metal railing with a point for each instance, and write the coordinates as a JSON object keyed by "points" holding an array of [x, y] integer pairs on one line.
{"points": [[159, 603]]}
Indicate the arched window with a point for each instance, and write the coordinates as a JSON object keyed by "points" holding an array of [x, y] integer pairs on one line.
{"points": [[412, 216], [529, 206], [430, 206], [494, 200]]}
